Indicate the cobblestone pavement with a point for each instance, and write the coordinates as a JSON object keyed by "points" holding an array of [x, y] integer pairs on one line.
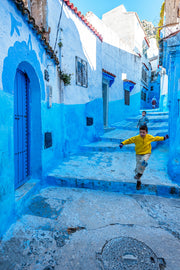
{"points": [[82, 229], [75, 229]]}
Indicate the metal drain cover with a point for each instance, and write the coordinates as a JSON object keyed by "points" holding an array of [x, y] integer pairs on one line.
{"points": [[126, 253]]}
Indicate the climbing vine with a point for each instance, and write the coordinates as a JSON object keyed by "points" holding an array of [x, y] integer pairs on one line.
{"points": [[65, 77], [161, 22]]}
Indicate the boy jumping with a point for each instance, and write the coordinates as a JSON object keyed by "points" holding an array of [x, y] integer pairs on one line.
{"points": [[143, 150]]}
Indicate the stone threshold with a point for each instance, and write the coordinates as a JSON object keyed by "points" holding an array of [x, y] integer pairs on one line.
{"points": [[125, 188], [23, 194]]}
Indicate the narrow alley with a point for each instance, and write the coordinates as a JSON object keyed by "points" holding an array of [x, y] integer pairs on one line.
{"points": [[89, 215], [90, 135]]}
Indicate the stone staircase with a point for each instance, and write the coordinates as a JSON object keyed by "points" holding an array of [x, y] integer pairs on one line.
{"points": [[157, 126], [103, 166]]}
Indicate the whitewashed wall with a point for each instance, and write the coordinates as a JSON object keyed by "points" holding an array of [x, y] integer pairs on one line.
{"points": [[78, 40], [118, 58]]}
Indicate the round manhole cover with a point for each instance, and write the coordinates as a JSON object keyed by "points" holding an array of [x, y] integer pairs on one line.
{"points": [[127, 253]]}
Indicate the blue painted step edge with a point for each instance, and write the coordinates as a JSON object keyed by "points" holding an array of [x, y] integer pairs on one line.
{"points": [[128, 188]]}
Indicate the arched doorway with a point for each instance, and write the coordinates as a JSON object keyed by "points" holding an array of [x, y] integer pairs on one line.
{"points": [[21, 128], [27, 125]]}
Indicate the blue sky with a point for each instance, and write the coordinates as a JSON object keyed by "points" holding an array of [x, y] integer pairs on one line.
{"points": [[146, 9]]}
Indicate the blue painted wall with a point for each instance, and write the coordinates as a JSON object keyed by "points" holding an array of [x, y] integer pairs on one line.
{"points": [[6, 159], [153, 93], [174, 112], [170, 60], [164, 61], [119, 111], [21, 49], [76, 130]]}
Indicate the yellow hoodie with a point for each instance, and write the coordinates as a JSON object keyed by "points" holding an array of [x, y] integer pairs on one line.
{"points": [[143, 145]]}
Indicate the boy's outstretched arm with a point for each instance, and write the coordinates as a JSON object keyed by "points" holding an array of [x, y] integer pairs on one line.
{"points": [[121, 145], [166, 137], [160, 138], [128, 141]]}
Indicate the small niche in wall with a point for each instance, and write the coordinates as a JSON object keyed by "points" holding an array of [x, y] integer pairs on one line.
{"points": [[49, 96], [89, 121], [47, 139], [46, 75]]}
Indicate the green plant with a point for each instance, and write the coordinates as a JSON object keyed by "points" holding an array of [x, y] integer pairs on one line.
{"points": [[65, 77], [60, 44], [161, 22]]}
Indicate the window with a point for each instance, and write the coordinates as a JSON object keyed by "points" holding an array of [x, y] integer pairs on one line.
{"points": [[144, 75], [153, 75], [126, 97], [152, 88], [178, 12], [143, 95], [81, 72]]}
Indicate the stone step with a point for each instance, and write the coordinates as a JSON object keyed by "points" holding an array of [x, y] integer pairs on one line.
{"points": [[111, 146], [152, 118], [129, 124], [122, 187], [108, 129], [104, 146], [155, 113], [150, 127], [119, 135]]}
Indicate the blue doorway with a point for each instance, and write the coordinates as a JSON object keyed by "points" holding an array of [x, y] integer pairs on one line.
{"points": [[21, 128], [105, 95]]}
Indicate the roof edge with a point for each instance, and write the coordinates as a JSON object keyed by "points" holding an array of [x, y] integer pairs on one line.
{"points": [[26, 13], [82, 17]]}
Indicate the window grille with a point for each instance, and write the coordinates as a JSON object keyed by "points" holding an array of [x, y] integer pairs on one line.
{"points": [[144, 75], [81, 72], [143, 95]]}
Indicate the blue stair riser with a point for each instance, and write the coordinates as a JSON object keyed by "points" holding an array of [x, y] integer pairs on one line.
{"points": [[119, 140], [116, 140], [115, 148], [152, 112], [149, 128], [112, 186], [150, 120], [156, 114], [105, 149]]}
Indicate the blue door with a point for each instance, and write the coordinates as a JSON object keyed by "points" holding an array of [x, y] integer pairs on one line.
{"points": [[21, 128], [105, 103]]}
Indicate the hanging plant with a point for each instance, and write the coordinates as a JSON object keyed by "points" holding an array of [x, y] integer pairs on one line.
{"points": [[65, 77], [60, 44]]}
